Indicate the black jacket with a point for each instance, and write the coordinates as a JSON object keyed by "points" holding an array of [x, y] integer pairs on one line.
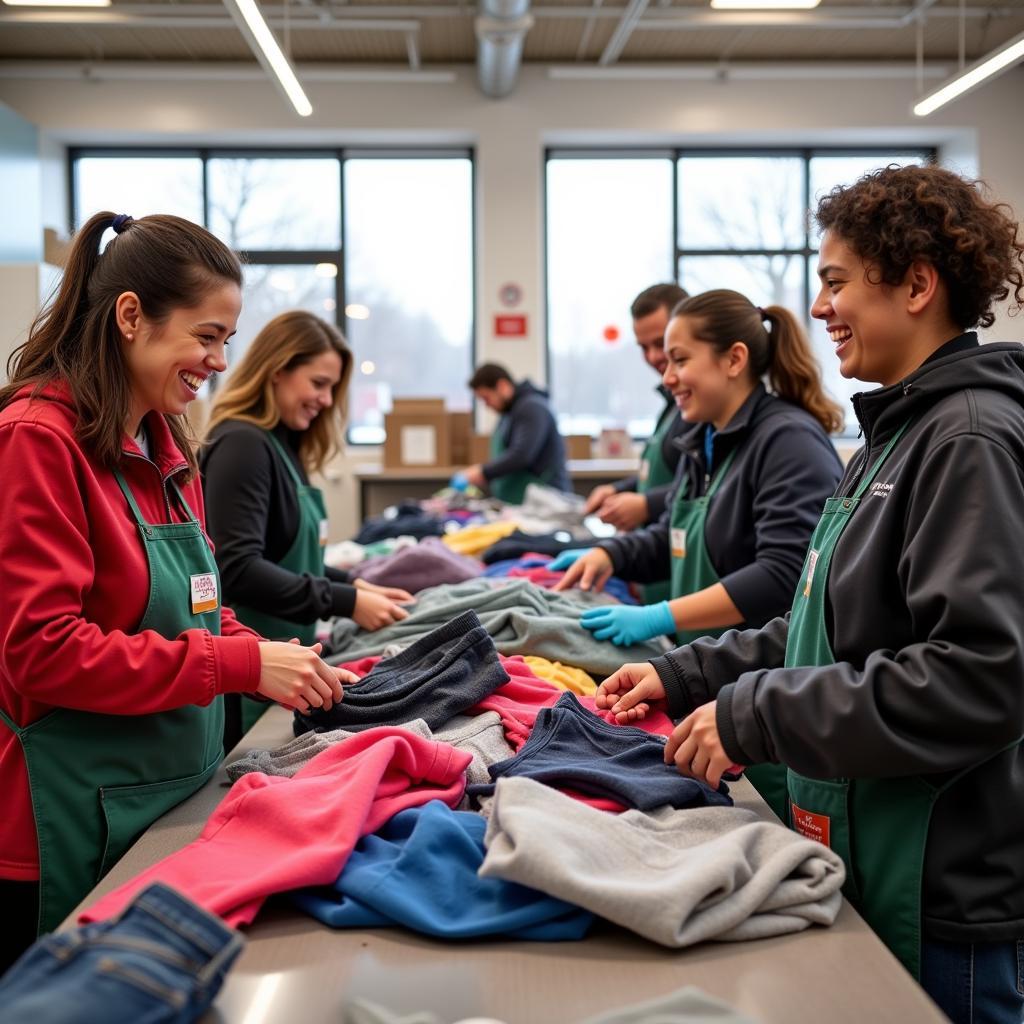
{"points": [[531, 439], [762, 515], [657, 497], [926, 621], [252, 515]]}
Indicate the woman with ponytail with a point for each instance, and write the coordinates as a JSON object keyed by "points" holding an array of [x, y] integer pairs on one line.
{"points": [[115, 645], [757, 465]]}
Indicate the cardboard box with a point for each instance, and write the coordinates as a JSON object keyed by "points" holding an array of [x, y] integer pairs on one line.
{"points": [[614, 444], [479, 448], [577, 446], [460, 429], [417, 434]]}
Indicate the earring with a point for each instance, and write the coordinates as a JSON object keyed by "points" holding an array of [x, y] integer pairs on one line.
{"points": [[130, 337]]}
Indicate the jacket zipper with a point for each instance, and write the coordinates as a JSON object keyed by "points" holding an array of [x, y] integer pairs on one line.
{"points": [[163, 482]]}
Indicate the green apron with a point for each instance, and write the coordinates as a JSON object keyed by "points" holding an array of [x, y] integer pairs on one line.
{"points": [[511, 487], [878, 826], [691, 565], [306, 555], [98, 781], [655, 472]]}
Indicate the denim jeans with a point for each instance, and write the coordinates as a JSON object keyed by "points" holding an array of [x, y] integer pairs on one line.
{"points": [[161, 962], [975, 983]]}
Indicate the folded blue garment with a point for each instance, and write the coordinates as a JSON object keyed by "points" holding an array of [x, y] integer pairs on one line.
{"points": [[571, 748], [619, 589], [420, 871]]}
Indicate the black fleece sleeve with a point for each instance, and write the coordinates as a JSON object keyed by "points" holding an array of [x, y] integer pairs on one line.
{"points": [[695, 674], [528, 432], [944, 703], [643, 555], [657, 502], [796, 471], [237, 482], [627, 483]]}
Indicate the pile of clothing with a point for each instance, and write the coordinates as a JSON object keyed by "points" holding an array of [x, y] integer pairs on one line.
{"points": [[459, 793]]}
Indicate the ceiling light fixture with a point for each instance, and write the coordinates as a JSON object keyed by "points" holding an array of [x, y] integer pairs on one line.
{"points": [[57, 3], [999, 60], [764, 5], [250, 22]]}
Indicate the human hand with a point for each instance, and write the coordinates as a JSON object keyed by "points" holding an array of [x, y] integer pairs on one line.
{"points": [[627, 624], [475, 476], [625, 511], [374, 611], [696, 748], [297, 676], [629, 692], [566, 558], [593, 569], [391, 593], [597, 497]]}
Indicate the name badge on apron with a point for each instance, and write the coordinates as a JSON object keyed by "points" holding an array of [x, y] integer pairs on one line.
{"points": [[809, 824], [324, 526], [678, 537], [645, 471], [204, 592], [812, 561]]}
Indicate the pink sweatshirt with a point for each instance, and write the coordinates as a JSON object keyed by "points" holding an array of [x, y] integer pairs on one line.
{"points": [[270, 834]]}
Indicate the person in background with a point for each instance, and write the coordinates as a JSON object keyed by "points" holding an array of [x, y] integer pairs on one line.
{"points": [[278, 420], [893, 693], [640, 500], [526, 446], [115, 643]]}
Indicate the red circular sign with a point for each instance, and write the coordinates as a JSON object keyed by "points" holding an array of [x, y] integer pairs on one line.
{"points": [[611, 334]]}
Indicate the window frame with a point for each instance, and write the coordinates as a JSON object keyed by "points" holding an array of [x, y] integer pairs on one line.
{"points": [[676, 154], [299, 257]]}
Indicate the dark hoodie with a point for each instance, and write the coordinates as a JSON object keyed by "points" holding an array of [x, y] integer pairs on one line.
{"points": [[925, 618], [762, 516], [532, 443]]}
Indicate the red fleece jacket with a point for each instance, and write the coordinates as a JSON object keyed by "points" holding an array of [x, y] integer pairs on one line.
{"points": [[74, 584]]}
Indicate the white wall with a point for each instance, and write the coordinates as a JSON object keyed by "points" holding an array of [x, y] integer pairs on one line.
{"points": [[978, 134]]}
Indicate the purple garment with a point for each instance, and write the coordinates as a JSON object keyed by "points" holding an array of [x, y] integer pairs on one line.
{"points": [[429, 563]]}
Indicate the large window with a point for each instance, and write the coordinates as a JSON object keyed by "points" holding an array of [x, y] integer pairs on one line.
{"points": [[617, 223], [381, 244]]}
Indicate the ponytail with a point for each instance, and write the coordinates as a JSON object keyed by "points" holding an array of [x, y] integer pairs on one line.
{"points": [[793, 371], [169, 263], [780, 352]]}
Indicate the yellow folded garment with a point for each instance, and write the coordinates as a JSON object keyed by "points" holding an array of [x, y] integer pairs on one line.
{"points": [[565, 677], [475, 540]]}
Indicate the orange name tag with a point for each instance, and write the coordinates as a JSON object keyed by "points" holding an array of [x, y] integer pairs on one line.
{"points": [[812, 561], [809, 824], [204, 592]]}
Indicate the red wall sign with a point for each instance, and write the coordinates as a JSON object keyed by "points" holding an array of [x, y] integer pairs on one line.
{"points": [[510, 326]]}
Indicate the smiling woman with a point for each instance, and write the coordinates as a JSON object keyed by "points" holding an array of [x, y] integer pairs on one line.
{"points": [[279, 419], [113, 636]]}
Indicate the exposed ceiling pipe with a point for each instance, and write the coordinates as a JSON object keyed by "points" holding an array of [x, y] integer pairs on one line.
{"points": [[501, 28], [627, 23]]}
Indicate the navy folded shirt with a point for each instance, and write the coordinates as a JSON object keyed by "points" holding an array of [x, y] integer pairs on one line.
{"points": [[571, 748]]}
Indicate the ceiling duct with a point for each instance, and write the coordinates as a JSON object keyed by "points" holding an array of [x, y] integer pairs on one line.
{"points": [[501, 27]]}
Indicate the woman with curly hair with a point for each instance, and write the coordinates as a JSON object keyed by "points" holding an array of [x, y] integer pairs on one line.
{"points": [[894, 692]]}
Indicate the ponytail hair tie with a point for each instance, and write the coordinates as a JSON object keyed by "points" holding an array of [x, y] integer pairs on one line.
{"points": [[121, 222], [761, 313]]}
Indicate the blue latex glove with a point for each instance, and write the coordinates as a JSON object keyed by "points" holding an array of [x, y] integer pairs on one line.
{"points": [[625, 625], [567, 558], [459, 481]]}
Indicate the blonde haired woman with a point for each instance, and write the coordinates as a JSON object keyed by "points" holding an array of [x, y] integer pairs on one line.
{"points": [[278, 420]]}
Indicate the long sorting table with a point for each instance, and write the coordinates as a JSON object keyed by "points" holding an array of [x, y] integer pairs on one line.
{"points": [[295, 969]]}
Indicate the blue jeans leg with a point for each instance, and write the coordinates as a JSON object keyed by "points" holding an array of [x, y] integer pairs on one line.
{"points": [[975, 983]]}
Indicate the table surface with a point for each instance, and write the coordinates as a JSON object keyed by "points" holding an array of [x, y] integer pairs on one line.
{"points": [[295, 969]]}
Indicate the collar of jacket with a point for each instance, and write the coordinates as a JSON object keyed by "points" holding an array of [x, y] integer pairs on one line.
{"points": [[164, 453], [997, 367], [757, 404]]}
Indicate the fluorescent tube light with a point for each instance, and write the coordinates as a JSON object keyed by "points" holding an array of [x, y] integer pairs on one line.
{"points": [[269, 53], [764, 5], [57, 3], [999, 60]]}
